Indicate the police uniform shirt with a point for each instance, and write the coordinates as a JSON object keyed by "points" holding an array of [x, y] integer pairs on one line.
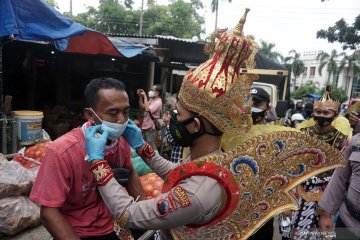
{"points": [[336, 191], [195, 200]]}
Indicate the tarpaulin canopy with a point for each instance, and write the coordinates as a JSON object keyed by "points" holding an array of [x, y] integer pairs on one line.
{"points": [[34, 20]]}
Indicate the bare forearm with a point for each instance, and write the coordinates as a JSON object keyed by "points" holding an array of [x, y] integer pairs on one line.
{"points": [[134, 187], [146, 104], [57, 225], [141, 102]]}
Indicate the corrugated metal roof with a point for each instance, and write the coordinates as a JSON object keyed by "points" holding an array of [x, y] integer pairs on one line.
{"points": [[149, 36]]}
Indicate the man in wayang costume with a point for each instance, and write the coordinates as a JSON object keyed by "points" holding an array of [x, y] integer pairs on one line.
{"points": [[327, 127], [201, 197]]}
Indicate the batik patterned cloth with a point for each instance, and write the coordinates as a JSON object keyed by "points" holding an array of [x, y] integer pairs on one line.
{"points": [[307, 218]]}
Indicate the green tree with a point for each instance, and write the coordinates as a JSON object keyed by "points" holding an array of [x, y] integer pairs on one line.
{"points": [[352, 64], [267, 49], [179, 19], [89, 18], [52, 3], [309, 87], [329, 60], [215, 9], [297, 66], [348, 36]]}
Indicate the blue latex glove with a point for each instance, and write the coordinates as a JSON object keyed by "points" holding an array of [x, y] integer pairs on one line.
{"points": [[133, 136], [95, 143]]}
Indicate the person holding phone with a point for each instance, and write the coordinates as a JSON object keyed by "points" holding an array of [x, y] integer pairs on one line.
{"points": [[151, 104]]}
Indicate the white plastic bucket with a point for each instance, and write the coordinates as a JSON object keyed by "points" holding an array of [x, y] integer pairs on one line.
{"points": [[29, 126]]}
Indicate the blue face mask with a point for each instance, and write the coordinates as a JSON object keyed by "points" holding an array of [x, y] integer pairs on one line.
{"points": [[115, 130]]}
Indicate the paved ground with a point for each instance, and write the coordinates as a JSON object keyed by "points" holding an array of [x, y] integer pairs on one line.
{"points": [[40, 233]]}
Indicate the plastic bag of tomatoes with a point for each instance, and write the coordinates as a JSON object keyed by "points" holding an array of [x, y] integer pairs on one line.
{"points": [[32, 156], [152, 185]]}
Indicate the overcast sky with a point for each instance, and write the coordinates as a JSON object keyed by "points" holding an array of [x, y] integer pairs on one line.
{"points": [[289, 24]]}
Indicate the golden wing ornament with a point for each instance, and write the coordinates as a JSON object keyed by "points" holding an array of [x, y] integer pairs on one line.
{"points": [[265, 168]]}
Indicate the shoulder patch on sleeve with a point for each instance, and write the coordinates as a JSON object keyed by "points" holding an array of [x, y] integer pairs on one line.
{"points": [[182, 196], [166, 205]]}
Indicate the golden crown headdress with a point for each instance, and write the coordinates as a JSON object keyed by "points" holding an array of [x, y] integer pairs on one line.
{"points": [[327, 102], [216, 89]]}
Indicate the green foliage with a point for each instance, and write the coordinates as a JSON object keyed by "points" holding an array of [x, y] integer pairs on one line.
{"points": [[52, 3], [296, 65], [308, 88], [178, 19], [337, 93], [311, 87], [348, 36], [329, 60], [268, 50]]}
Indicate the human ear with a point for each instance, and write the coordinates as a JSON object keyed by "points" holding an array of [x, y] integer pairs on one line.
{"points": [[89, 115], [197, 125]]}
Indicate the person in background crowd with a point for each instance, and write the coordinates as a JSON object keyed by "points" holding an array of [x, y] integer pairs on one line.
{"points": [[308, 110], [176, 149], [65, 187], [342, 194], [296, 119], [152, 111], [298, 108], [261, 109], [307, 217], [354, 120], [287, 119]]}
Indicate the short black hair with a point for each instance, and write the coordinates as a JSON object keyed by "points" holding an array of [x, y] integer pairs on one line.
{"points": [[93, 87], [309, 106], [159, 88]]}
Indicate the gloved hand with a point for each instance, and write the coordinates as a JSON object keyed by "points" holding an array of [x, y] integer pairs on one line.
{"points": [[95, 143], [133, 136]]}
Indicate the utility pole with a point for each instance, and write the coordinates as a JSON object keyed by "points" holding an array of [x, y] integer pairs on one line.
{"points": [[141, 18], [71, 12], [216, 12]]}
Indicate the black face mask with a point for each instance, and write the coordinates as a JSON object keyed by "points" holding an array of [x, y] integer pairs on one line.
{"points": [[257, 116], [323, 121], [180, 133]]}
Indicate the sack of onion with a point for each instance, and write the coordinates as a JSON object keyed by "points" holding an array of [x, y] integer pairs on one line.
{"points": [[152, 185]]}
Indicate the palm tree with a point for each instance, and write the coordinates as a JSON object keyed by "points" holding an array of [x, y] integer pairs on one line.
{"points": [[351, 63], [329, 60], [215, 8], [297, 66], [267, 49]]}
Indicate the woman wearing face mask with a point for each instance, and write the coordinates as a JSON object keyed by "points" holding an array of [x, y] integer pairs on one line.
{"points": [[152, 105], [324, 114]]}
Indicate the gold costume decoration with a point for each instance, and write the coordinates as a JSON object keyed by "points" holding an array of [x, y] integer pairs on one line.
{"points": [[327, 102], [260, 167], [216, 89], [266, 169]]}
